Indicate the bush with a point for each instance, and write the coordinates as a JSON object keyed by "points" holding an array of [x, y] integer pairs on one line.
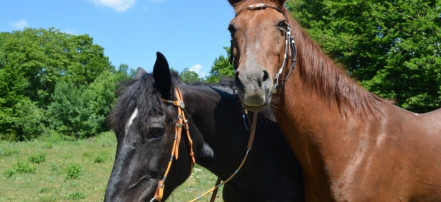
{"points": [[10, 172], [73, 171], [37, 158], [20, 167], [28, 122], [71, 111], [25, 121], [80, 111], [101, 157], [24, 168]]}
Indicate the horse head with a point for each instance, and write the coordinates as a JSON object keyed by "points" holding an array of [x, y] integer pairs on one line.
{"points": [[262, 47], [145, 130]]}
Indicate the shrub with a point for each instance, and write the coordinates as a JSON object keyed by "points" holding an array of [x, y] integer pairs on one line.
{"points": [[24, 168], [10, 172], [20, 167], [101, 157], [71, 112], [28, 122], [73, 171], [80, 111], [37, 158], [23, 121]]}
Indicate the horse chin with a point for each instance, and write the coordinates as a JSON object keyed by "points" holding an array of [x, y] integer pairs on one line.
{"points": [[255, 103], [256, 108]]}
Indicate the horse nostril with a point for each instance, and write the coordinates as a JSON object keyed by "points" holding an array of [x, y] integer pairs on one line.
{"points": [[236, 77], [265, 75], [237, 80]]}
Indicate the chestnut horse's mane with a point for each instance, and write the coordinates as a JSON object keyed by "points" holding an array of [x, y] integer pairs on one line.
{"points": [[320, 73]]}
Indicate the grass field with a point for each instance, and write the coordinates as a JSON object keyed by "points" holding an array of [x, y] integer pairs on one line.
{"points": [[53, 169]]}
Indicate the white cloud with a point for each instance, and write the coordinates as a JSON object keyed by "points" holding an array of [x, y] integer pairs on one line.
{"points": [[198, 69], [21, 24], [117, 5]]}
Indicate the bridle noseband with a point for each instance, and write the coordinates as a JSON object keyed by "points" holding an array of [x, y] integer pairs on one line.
{"points": [[290, 47], [181, 122]]}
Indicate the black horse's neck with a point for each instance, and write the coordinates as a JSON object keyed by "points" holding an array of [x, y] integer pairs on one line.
{"points": [[217, 127], [220, 142]]}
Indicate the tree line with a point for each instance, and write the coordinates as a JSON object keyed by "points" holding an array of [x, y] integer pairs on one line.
{"points": [[53, 82], [393, 48]]}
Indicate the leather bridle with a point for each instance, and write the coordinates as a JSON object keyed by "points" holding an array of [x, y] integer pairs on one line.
{"points": [[181, 122]]}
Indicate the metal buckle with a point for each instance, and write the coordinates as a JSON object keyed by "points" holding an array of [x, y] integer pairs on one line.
{"points": [[181, 104]]}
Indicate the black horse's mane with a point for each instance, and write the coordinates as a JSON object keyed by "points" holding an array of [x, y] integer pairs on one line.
{"points": [[137, 93], [141, 93]]}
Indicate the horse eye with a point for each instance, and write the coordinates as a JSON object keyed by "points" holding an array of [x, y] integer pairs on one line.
{"points": [[155, 133], [282, 25]]}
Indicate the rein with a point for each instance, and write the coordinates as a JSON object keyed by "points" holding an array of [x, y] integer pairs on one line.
{"points": [[290, 47], [183, 122], [218, 182]]}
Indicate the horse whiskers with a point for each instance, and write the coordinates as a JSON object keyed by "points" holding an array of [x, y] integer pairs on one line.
{"points": [[145, 177]]}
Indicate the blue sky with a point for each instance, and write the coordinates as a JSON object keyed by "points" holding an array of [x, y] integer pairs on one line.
{"points": [[190, 33]]}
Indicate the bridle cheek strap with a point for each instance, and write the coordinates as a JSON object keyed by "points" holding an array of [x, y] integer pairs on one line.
{"points": [[290, 47], [184, 122], [180, 123]]}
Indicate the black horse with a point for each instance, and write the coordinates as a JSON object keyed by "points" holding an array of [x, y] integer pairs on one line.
{"points": [[144, 127]]}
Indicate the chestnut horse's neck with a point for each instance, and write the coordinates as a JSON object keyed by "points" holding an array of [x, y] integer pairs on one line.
{"points": [[351, 144], [320, 102]]}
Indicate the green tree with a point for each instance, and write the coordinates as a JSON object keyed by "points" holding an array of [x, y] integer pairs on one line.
{"points": [[103, 98], [123, 69], [81, 112], [392, 47], [27, 122], [33, 63], [189, 76], [221, 68], [71, 112]]}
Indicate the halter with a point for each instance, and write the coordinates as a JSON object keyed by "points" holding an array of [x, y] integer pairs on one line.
{"points": [[289, 42], [290, 47], [180, 122]]}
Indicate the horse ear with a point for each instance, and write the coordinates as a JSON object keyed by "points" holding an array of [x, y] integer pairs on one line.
{"points": [[139, 72], [234, 2], [280, 2], [162, 76]]}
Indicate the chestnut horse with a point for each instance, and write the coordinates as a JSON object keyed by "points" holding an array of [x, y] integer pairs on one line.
{"points": [[351, 144]]}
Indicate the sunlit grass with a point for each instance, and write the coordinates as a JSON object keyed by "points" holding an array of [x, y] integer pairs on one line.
{"points": [[72, 170]]}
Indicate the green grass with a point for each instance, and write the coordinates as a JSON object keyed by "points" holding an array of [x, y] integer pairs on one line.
{"points": [[54, 169]]}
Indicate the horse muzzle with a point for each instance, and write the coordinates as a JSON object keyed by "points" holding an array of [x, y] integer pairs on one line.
{"points": [[254, 89]]}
